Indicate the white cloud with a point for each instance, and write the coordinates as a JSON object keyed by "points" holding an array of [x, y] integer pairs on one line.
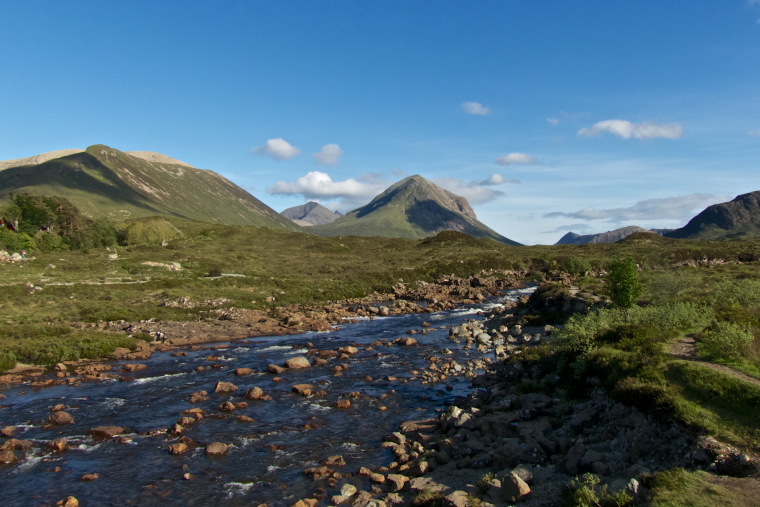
{"points": [[474, 193], [679, 207], [517, 158], [553, 121], [756, 132], [328, 155], [318, 185], [627, 130], [278, 149], [496, 179], [476, 108]]}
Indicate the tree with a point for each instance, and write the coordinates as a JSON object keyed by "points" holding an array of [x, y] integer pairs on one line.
{"points": [[623, 283]]}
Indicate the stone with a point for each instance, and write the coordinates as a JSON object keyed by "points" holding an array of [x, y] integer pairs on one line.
{"points": [[134, 367], [571, 463], [58, 408], [303, 389], [591, 456], [514, 489], [347, 490], [8, 457], [217, 449], [377, 478], [317, 473], [8, 431], [348, 350], [405, 341], [69, 501], [458, 498], [524, 472], [227, 406], [17, 445], [198, 397], [395, 437], [225, 388], [178, 448], [57, 445], [342, 404], [396, 482], [334, 461], [339, 499], [244, 419], [60, 418], [60, 367], [106, 431], [277, 370], [254, 393], [240, 372], [298, 362], [306, 502], [600, 468], [90, 477]]}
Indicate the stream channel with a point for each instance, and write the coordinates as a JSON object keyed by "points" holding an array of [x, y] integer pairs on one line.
{"points": [[265, 461]]}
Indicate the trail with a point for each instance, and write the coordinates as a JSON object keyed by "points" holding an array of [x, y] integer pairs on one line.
{"points": [[685, 348]]}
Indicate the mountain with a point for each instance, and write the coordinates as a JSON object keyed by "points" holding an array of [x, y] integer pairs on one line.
{"points": [[37, 159], [572, 238], [739, 218], [311, 213], [106, 183], [411, 208]]}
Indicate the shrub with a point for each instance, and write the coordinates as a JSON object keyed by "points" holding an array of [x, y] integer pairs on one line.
{"points": [[584, 491], [14, 242], [726, 339], [623, 283], [577, 265], [7, 361]]}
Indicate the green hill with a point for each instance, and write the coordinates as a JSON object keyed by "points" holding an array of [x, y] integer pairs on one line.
{"points": [[739, 218], [106, 183], [412, 208]]}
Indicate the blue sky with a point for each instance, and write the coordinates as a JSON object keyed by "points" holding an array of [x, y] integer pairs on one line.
{"points": [[592, 114]]}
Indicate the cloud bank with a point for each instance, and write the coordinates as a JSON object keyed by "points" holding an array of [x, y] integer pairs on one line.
{"points": [[679, 207], [517, 158], [329, 154], [317, 185], [627, 130], [278, 149], [476, 192], [476, 108]]}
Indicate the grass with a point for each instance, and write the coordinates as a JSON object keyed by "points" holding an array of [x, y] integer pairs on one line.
{"points": [[679, 488]]}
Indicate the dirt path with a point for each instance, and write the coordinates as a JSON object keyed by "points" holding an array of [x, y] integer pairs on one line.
{"points": [[685, 348]]}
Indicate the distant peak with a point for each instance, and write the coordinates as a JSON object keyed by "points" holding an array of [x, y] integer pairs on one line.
{"points": [[152, 156], [38, 159]]}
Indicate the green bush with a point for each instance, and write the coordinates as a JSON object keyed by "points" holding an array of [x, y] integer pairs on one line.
{"points": [[623, 283], [49, 242], [726, 339], [14, 242], [7, 361], [577, 265], [584, 491]]}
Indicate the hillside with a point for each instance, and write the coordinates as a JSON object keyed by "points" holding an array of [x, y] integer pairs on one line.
{"points": [[412, 208], [107, 183], [311, 213], [739, 218], [572, 238]]}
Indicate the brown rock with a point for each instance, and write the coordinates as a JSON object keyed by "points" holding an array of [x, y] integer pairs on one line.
{"points": [[334, 461], [277, 370], [514, 489], [227, 406], [405, 341], [240, 372], [134, 367], [217, 449], [225, 388], [106, 431], [60, 367], [70, 501], [60, 418], [244, 418], [58, 445], [17, 445], [198, 397], [58, 408], [186, 421], [343, 404], [8, 457], [90, 477], [365, 472], [8, 431], [317, 473], [178, 448], [303, 389], [348, 350], [377, 478], [306, 502], [396, 481], [254, 393], [318, 361], [297, 362]]}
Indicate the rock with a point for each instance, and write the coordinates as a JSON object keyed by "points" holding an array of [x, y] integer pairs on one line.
{"points": [[377, 478], [514, 489], [599, 468], [225, 388], [342, 404], [134, 367], [60, 418], [17, 445], [630, 486], [277, 370], [524, 472], [60, 367], [216, 449], [317, 473], [106, 431], [590, 457], [244, 419], [339, 499], [198, 397], [8, 457], [227, 406], [348, 350], [57, 445], [535, 401], [120, 353], [396, 482], [303, 389], [58, 408], [178, 448], [306, 502], [348, 490], [90, 477], [240, 372], [69, 501], [298, 362], [8, 431], [405, 341], [254, 393], [571, 463], [334, 461], [396, 437], [458, 498]]}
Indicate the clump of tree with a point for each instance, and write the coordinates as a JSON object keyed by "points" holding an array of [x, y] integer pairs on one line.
{"points": [[50, 223]]}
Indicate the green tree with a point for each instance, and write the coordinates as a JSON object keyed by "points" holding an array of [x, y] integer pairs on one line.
{"points": [[623, 283]]}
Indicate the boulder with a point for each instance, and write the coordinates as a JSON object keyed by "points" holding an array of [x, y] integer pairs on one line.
{"points": [[225, 388], [60, 418], [57, 445], [571, 463], [334, 461], [178, 448], [524, 472], [342, 404], [273, 368], [198, 397], [227, 406], [303, 389], [297, 362], [90, 477], [348, 490], [134, 367], [106, 431], [8, 457], [405, 341], [8, 431], [254, 393], [216, 449], [69, 501], [377, 478], [458, 498], [17, 445], [306, 502], [396, 482], [348, 350], [514, 489], [240, 372]]}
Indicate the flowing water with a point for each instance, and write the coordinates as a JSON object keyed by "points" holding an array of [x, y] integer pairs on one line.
{"points": [[265, 462]]}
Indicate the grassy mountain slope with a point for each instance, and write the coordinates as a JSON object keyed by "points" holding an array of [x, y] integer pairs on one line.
{"points": [[412, 208], [104, 182], [572, 238], [311, 213], [739, 218]]}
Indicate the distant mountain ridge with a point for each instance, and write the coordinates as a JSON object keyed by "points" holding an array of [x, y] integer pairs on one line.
{"points": [[572, 238], [108, 183], [311, 213], [411, 208], [739, 218]]}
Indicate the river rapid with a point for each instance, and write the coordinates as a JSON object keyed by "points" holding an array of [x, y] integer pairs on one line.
{"points": [[266, 457]]}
